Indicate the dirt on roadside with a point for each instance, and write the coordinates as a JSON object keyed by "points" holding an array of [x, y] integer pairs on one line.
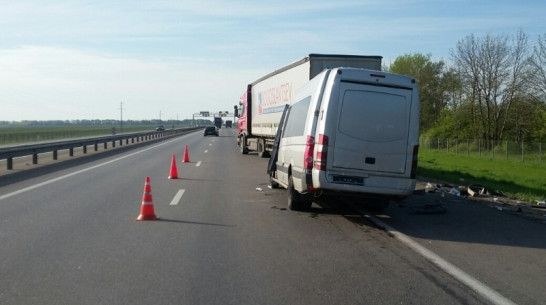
{"points": [[535, 211]]}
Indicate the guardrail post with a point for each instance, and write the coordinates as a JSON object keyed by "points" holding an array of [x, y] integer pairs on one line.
{"points": [[120, 142], [96, 146], [34, 158], [71, 151], [85, 149], [10, 163], [55, 155], [114, 143], [105, 145]]}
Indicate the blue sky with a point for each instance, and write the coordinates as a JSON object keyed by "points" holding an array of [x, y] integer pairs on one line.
{"points": [[65, 60]]}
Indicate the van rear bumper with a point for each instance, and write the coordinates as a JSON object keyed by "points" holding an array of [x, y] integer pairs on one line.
{"points": [[380, 185]]}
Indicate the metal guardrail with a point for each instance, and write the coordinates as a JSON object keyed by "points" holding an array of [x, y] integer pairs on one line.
{"points": [[11, 152]]}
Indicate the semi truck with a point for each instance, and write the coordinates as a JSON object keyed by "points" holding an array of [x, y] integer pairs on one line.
{"points": [[261, 105], [218, 122]]}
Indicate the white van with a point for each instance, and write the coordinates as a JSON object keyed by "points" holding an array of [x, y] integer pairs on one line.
{"points": [[349, 132]]}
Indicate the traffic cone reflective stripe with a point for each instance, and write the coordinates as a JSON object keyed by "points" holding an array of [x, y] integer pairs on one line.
{"points": [[186, 155], [147, 207], [174, 172]]}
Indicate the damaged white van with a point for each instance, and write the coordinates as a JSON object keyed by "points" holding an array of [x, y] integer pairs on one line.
{"points": [[349, 132]]}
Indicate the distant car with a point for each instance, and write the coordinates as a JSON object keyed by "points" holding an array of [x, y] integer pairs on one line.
{"points": [[210, 130], [160, 128]]}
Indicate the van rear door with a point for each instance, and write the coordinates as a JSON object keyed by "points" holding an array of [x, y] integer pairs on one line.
{"points": [[372, 128]]}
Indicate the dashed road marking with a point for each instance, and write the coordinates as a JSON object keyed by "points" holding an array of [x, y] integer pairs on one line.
{"points": [[177, 197]]}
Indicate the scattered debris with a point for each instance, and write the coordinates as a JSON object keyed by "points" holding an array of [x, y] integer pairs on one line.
{"points": [[259, 189], [540, 203], [475, 190], [275, 207], [455, 192], [430, 188], [432, 203]]}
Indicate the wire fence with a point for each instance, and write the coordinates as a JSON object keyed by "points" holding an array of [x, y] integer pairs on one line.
{"points": [[510, 150]]}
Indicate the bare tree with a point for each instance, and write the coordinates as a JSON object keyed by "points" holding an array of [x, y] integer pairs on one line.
{"points": [[493, 73], [538, 66]]}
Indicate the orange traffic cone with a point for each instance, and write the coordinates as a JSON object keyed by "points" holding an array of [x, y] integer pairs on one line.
{"points": [[186, 155], [174, 172], [147, 207]]}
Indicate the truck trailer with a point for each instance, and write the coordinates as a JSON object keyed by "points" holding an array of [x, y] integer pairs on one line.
{"points": [[218, 122], [261, 106]]}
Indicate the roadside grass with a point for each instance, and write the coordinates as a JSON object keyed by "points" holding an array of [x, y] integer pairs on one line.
{"points": [[522, 180], [36, 134]]}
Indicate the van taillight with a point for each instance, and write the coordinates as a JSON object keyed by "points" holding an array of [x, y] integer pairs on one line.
{"points": [[308, 156], [414, 162], [322, 152]]}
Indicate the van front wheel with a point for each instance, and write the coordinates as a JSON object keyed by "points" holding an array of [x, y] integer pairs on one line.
{"points": [[296, 201]]}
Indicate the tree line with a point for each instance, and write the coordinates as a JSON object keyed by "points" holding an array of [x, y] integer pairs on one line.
{"points": [[493, 90]]}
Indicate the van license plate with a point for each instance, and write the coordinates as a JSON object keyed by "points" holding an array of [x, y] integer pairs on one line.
{"points": [[348, 180]]}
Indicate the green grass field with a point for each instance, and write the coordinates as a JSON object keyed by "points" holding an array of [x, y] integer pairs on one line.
{"points": [[522, 180], [35, 134]]}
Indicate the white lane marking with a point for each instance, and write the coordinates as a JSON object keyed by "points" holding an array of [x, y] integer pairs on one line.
{"points": [[479, 287], [206, 150], [177, 197], [198, 164], [26, 189]]}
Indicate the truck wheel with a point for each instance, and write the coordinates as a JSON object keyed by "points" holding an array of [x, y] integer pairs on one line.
{"points": [[296, 201], [261, 150], [242, 145]]}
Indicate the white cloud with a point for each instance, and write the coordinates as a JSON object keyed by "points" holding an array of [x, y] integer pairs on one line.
{"points": [[55, 83], [182, 56]]}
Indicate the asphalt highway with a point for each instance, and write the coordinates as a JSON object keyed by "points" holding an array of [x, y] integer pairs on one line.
{"points": [[68, 235]]}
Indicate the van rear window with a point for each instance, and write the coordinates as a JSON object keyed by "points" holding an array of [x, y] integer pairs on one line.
{"points": [[373, 116], [297, 114]]}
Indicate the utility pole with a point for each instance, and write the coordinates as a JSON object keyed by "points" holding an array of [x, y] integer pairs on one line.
{"points": [[121, 116]]}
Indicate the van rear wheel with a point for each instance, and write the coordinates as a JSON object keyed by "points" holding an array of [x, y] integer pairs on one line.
{"points": [[296, 201]]}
